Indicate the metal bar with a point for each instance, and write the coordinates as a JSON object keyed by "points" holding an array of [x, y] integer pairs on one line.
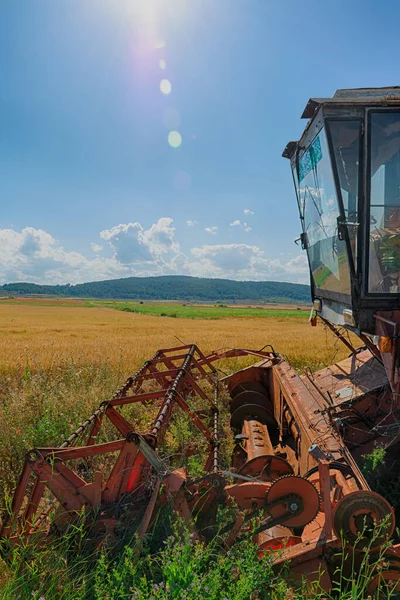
{"points": [[196, 365], [140, 398], [119, 421], [136, 472], [120, 392], [33, 505], [82, 451], [17, 500], [205, 360], [193, 417], [84, 426], [215, 429], [69, 475], [125, 461], [172, 392], [160, 376], [237, 476], [168, 360], [380, 318], [338, 335], [95, 430], [153, 374], [144, 525], [196, 387], [59, 486], [176, 348], [150, 454], [165, 359], [325, 489]]}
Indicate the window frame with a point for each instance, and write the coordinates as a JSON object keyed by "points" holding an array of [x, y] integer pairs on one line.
{"points": [[367, 206], [319, 123], [354, 268]]}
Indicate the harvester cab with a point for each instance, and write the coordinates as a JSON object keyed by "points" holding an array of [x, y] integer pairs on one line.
{"points": [[346, 172]]}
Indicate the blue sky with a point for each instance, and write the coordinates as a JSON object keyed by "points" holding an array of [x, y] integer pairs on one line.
{"points": [[90, 186]]}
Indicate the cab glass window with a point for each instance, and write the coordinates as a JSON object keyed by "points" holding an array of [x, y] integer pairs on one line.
{"points": [[345, 136], [319, 210], [384, 221]]}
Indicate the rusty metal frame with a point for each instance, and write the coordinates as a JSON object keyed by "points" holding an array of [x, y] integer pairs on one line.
{"points": [[177, 372]]}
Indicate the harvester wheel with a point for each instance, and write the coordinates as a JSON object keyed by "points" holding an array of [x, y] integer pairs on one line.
{"points": [[364, 519], [385, 584]]}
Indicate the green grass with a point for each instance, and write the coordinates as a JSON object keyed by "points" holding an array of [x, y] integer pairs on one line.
{"points": [[202, 312], [171, 565]]}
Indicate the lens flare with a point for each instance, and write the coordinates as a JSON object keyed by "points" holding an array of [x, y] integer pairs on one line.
{"points": [[165, 86], [174, 139], [162, 64]]}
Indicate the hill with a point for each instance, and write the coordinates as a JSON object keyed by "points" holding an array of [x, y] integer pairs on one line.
{"points": [[172, 287]]}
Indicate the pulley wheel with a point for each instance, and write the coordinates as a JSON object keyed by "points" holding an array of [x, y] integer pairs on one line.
{"points": [[364, 519], [260, 413], [305, 498], [248, 386], [250, 398], [387, 582]]}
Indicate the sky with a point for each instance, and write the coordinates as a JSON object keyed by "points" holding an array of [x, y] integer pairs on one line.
{"points": [[144, 137]]}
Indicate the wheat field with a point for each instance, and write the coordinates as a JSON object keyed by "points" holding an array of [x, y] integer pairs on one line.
{"points": [[43, 336]]}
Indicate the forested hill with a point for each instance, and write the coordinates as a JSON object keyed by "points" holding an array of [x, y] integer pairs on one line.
{"points": [[172, 287]]}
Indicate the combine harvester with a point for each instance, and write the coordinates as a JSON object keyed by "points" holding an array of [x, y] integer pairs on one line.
{"points": [[297, 439]]}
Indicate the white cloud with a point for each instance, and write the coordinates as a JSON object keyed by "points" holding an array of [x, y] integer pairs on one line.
{"points": [[34, 255], [247, 211], [213, 230], [130, 250], [160, 237], [227, 258], [191, 223], [245, 226], [132, 244], [245, 262], [127, 242]]}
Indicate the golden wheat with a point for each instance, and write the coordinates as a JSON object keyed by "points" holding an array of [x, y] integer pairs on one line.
{"points": [[45, 335]]}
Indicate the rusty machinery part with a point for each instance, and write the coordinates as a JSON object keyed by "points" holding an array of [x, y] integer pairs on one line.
{"points": [[385, 583], [250, 495], [51, 477], [274, 539], [363, 519], [258, 411], [248, 386], [267, 467], [255, 456], [251, 397], [304, 500]]}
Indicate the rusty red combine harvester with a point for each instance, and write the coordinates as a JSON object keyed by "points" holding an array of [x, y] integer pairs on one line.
{"points": [[297, 438]]}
